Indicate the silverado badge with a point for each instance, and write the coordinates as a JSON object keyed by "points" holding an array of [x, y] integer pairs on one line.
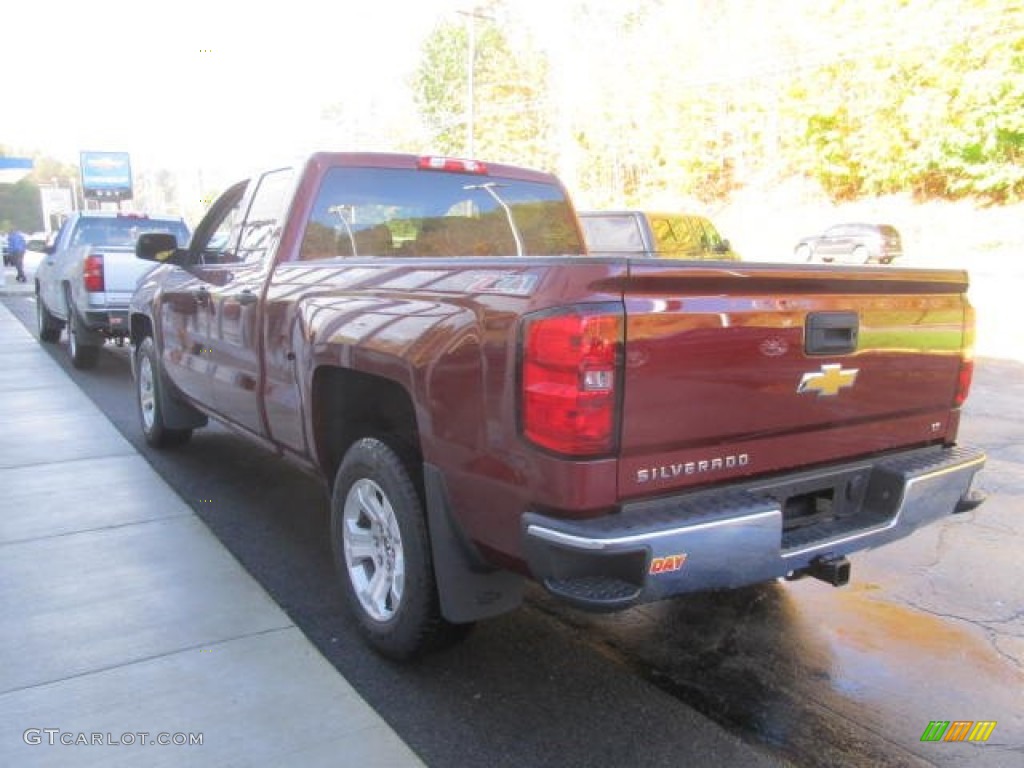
{"points": [[828, 381]]}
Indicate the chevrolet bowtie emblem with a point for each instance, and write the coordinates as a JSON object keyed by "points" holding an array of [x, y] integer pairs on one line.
{"points": [[828, 381]]}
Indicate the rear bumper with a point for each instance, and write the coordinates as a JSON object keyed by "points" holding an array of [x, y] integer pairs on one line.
{"points": [[109, 322], [745, 534]]}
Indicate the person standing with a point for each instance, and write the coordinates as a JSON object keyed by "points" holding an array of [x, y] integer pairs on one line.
{"points": [[16, 248]]}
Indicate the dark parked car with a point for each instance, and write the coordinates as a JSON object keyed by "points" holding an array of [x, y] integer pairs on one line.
{"points": [[856, 243]]}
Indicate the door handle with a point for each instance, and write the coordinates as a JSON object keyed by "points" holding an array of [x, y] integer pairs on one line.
{"points": [[246, 298], [831, 333]]}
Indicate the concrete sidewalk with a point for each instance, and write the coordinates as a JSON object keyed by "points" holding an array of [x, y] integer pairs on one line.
{"points": [[125, 622]]}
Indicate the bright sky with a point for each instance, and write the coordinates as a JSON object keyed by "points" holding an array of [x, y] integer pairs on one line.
{"points": [[206, 85]]}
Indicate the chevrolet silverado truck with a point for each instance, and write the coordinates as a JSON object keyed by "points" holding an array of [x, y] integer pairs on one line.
{"points": [[650, 234], [87, 276], [489, 403]]}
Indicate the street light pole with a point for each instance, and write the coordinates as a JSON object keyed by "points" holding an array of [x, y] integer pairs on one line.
{"points": [[472, 15], [471, 65]]}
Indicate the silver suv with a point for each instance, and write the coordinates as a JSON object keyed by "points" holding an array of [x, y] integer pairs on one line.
{"points": [[855, 243]]}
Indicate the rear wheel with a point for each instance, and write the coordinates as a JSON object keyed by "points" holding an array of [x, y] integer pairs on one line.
{"points": [[804, 252], [83, 355], [147, 391], [48, 325], [382, 551], [861, 255]]}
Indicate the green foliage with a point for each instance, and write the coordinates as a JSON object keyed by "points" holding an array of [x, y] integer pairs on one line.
{"points": [[441, 88], [19, 207], [692, 100], [943, 117], [510, 121]]}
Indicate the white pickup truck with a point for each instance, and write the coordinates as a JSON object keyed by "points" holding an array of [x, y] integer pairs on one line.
{"points": [[88, 276]]}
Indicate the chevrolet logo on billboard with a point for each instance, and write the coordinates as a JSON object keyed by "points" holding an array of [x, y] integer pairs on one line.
{"points": [[828, 381]]}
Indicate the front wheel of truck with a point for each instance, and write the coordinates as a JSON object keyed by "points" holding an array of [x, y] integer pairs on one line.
{"points": [[148, 398], [382, 552]]}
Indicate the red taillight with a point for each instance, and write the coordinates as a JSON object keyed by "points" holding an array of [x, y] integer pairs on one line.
{"points": [[963, 383], [570, 380], [92, 273], [453, 164]]}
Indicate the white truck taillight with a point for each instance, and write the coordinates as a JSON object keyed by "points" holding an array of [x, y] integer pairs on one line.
{"points": [[571, 379], [92, 273]]}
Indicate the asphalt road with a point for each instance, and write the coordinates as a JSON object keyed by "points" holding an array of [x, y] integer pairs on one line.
{"points": [[930, 628]]}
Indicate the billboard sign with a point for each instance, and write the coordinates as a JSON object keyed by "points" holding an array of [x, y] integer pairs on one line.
{"points": [[14, 169], [106, 175]]}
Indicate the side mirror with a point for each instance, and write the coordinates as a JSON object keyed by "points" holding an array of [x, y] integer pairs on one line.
{"points": [[161, 248]]}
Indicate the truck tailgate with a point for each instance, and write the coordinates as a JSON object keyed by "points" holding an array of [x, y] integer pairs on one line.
{"points": [[121, 272], [741, 370]]}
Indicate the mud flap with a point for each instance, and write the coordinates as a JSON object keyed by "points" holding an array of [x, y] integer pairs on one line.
{"points": [[176, 414], [469, 589], [179, 415]]}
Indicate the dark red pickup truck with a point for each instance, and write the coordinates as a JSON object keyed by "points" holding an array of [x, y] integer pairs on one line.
{"points": [[488, 402]]}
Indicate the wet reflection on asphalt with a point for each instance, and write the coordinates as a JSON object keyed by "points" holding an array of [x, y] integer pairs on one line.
{"points": [[823, 676]]}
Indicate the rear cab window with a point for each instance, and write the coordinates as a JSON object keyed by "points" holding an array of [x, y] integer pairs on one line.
{"points": [[392, 212], [613, 233], [122, 231]]}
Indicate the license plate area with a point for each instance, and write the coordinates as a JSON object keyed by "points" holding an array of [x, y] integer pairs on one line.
{"points": [[820, 507]]}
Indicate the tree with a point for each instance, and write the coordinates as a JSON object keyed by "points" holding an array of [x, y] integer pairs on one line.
{"points": [[509, 94], [659, 101], [20, 207]]}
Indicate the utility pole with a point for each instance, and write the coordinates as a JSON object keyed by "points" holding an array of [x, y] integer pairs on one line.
{"points": [[472, 15]]}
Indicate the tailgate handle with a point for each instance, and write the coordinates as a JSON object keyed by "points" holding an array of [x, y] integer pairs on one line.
{"points": [[831, 333]]}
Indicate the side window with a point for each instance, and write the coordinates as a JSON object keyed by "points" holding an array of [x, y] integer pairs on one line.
{"points": [[612, 233], [710, 239], [218, 247], [59, 239], [215, 237], [262, 226], [675, 235]]}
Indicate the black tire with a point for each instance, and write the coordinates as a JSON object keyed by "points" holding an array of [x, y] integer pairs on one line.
{"points": [[379, 534], [83, 354], [48, 325], [804, 252], [861, 255], [147, 397]]}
